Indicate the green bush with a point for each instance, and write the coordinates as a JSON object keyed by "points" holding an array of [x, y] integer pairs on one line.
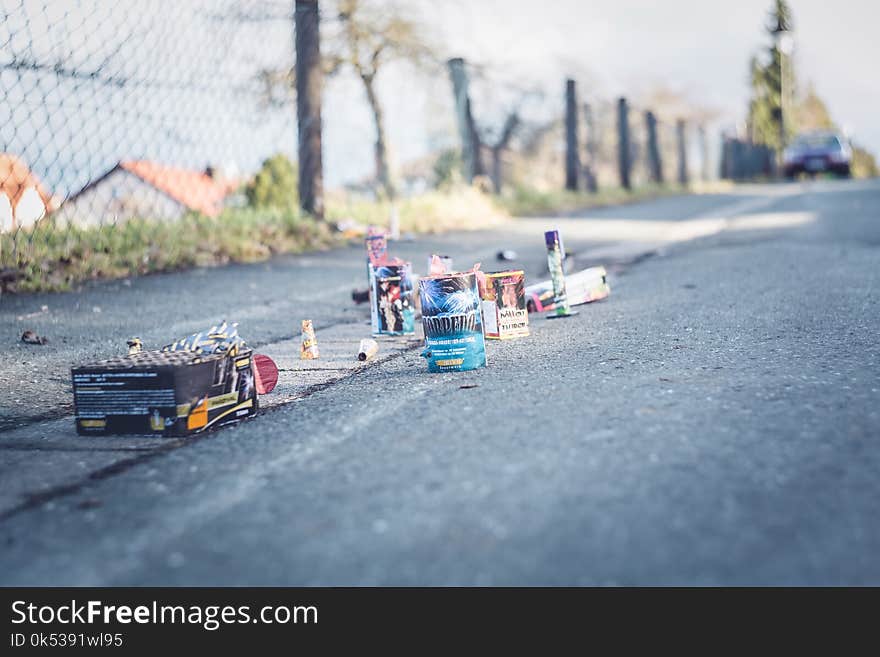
{"points": [[275, 185]]}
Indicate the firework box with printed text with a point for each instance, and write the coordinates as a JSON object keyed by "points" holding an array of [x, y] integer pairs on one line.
{"points": [[392, 303], [503, 303], [195, 384], [452, 321]]}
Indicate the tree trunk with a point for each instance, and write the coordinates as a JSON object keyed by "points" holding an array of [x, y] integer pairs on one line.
{"points": [[383, 170], [309, 81], [497, 178], [458, 75]]}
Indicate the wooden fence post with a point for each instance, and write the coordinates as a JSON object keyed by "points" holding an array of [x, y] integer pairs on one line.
{"points": [[623, 146], [682, 152], [589, 168], [655, 164], [572, 141]]}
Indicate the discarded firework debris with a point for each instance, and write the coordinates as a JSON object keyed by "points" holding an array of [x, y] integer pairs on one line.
{"points": [[439, 264], [504, 304], [360, 296], [506, 255], [30, 337], [451, 318], [377, 250], [392, 311], [367, 349], [585, 286], [555, 257], [135, 346], [265, 374], [198, 382], [309, 347]]}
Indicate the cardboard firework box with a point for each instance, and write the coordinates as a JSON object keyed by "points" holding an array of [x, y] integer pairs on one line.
{"points": [[168, 393], [452, 321], [585, 286], [377, 249], [392, 306], [503, 302]]}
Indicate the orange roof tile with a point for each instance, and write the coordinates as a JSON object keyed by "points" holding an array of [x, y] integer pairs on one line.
{"points": [[194, 189], [15, 178]]}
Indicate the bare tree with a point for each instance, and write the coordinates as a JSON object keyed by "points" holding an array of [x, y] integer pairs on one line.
{"points": [[368, 37]]}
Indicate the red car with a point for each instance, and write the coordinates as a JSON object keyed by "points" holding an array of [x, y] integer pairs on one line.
{"points": [[817, 152]]}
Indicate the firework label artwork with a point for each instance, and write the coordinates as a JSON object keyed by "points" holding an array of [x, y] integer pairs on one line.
{"points": [[504, 305], [452, 321], [392, 307]]}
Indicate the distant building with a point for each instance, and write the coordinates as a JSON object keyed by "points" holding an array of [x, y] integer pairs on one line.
{"points": [[23, 199], [147, 190]]}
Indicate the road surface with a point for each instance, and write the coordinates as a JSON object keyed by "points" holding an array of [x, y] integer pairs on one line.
{"points": [[716, 421]]}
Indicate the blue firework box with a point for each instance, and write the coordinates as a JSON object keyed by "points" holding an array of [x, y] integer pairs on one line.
{"points": [[452, 322]]}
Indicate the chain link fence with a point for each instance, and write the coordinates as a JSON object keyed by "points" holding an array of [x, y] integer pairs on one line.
{"points": [[132, 110], [126, 126]]}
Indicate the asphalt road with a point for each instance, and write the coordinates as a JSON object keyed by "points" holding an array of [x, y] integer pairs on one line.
{"points": [[716, 421]]}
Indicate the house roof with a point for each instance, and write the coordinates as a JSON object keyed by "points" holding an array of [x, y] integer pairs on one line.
{"points": [[193, 189], [16, 177]]}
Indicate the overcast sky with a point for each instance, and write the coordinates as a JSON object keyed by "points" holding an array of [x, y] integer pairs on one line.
{"points": [[700, 47]]}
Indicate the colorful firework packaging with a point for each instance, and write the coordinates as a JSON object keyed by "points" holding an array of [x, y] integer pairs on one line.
{"points": [[585, 286], [453, 326], [392, 307], [309, 346], [201, 381], [555, 258], [504, 305], [439, 264], [377, 249]]}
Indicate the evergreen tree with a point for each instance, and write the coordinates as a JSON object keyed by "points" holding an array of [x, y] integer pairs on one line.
{"points": [[766, 105]]}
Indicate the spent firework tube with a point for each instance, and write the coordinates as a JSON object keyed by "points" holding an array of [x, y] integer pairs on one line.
{"points": [[309, 347], [555, 257], [452, 322], [367, 349]]}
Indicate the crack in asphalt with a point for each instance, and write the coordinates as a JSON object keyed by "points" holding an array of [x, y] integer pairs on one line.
{"points": [[35, 500]]}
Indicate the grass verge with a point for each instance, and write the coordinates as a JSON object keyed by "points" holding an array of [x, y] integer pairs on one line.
{"points": [[528, 202], [49, 257], [55, 258]]}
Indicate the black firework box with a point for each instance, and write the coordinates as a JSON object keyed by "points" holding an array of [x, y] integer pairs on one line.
{"points": [[182, 389], [503, 301]]}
